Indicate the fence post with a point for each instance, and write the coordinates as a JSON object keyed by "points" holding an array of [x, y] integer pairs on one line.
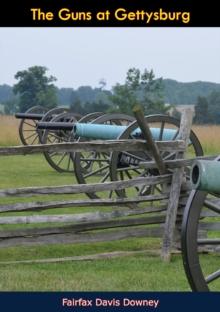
{"points": [[139, 115], [170, 221]]}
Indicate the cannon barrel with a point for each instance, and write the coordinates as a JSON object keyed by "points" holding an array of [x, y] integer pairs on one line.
{"points": [[55, 125], [205, 175], [103, 131], [29, 116], [86, 130]]}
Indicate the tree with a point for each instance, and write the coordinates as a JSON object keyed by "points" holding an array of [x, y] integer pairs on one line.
{"points": [[35, 88], [98, 106], [76, 106], [202, 115], [207, 109], [11, 106], [141, 88], [214, 111], [102, 83]]}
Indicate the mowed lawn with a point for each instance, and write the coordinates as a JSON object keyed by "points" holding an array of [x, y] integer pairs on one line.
{"points": [[134, 273]]}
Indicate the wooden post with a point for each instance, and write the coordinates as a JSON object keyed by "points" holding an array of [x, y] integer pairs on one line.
{"points": [[139, 115], [169, 227]]}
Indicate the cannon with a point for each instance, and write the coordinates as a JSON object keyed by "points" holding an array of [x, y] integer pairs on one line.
{"points": [[201, 227], [60, 130], [93, 167], [28, 133]]}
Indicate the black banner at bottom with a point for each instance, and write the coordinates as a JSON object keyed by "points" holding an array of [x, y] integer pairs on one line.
{"points": [[108, 301]]}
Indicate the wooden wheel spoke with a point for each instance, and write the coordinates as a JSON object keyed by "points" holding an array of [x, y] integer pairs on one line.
{"points": [[96, 171], [169, 156], [127, 168], [212, 205], [134, 156], [105, 177], [56, 136], [143, 174], [210, 278], [175, 135], [157, 188], [30, 136], [61, 159], [137, 171], [130, 177], [161, 131], [94, 159], [34, 140], [49, 140], [69, 162], [208, 241], [110, 194], [53, 154], [121, 175], [30, 125]]}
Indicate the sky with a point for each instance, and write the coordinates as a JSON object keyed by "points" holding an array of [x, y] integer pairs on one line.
{"points": [[84, 56]]}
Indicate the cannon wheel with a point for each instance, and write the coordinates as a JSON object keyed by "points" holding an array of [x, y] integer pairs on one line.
{"points": [[60, 161], [54, 112], [63, 161], [119, 171], [93, 167], [28, 128], [90, 117], [201, 241]]}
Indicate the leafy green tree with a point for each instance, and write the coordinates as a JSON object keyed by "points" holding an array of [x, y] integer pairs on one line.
{"points": [[141, 88], [34, 87]]}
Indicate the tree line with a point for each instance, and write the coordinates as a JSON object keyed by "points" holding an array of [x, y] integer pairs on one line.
{"points": [[207, 109], [35, 87]]}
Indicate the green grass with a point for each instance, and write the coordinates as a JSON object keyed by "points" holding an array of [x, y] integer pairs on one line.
{"points": [[134, 273], [121, 274], [126, 273]]}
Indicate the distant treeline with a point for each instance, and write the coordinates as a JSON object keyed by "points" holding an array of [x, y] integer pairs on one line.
{"points": [[143, 88], [175, 93]]}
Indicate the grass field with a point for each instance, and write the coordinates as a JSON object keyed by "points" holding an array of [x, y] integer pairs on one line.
{"points": [[209, 137], [134, 273]]}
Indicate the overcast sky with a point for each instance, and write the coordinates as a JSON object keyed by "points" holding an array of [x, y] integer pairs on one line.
{"points": [[83, 56]]}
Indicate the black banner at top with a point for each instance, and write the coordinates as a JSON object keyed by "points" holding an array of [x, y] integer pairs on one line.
{"points": [[108, 13]]}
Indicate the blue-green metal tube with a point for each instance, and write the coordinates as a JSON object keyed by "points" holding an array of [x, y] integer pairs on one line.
{"points": [[111, 132], [205, 175], [98, 131]]}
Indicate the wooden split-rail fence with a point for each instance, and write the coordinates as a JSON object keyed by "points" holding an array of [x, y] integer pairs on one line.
{"points": [[153, 215]]}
